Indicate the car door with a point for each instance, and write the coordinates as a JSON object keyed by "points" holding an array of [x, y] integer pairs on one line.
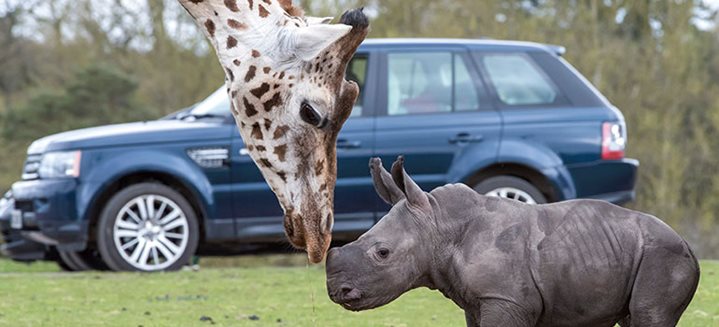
{"points": [[257, 211], [434, 111]]}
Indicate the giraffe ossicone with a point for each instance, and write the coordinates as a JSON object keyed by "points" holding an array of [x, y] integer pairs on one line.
{"points": [[284, 74]]}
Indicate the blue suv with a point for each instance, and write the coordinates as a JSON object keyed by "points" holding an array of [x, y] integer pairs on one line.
{"points": [[510, 119]]}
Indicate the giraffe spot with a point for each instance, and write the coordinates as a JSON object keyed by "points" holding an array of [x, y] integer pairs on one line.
{"points": [[232, 5], [231, 42], [261, 148], [280, 151], [266, 70], [234, 94], [263, 12], [230, 74], [268, 124], [266, 163], [196, 1], [250, 73], [249, 108], [236, 62], [275, 101], [256, 131], [291, 85], [236, 24], [323, 187], [260, 91], [280, 131], [269, 2], [317, 67], [250, 3], [282, 176], [282, 75], [242, 124], [255, 54], [250, 147], [330, 66], [291, 77], [210, 26], [276, 86], [319, 167]]}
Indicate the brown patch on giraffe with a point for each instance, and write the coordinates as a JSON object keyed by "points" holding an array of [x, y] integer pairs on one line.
{"points": [[290, 9], [260, 91], [268, 124], [250, 73], [251, 3], [266, 163], [250, 147], [291, 85], [263, 12], [319, 167], [196, 1], [237, 62], [230, 74], [323, 187], [266, 70], [280, 131], [261, 148], [280, 151], [231, 42], [282, 75], [276, 86], [282, 176], [234, 94], [236, 24], [275, 101], [257, 131], [232, 5], [255, 54], [291, 77], [249, 108], [210, 26], [269, 2]]}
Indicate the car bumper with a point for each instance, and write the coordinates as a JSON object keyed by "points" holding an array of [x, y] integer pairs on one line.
{"points": [[49, 213], [14, 245], [612, 181]]}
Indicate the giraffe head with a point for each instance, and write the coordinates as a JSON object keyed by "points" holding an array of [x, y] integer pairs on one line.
{"points": [[285, 78]]}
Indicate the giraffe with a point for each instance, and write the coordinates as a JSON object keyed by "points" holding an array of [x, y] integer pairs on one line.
{"points": [[284, 74]]}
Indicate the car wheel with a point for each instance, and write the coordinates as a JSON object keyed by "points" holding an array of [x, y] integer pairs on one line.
{"points": [[147, 227], [80, 261], [510, 187]]}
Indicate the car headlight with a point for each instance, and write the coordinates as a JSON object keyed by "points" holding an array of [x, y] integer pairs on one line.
{"points": [[60, 164]]}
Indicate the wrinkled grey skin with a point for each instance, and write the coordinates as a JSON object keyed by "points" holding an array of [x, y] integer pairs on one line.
{"points": [[575, 263]]}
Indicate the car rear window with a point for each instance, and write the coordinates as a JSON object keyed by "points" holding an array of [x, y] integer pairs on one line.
{"points": [[517, 80]]}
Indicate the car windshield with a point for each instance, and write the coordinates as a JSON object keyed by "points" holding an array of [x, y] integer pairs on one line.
{"points": [[217, 104]]}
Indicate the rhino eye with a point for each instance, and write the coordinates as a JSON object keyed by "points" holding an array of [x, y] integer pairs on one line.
{"points": [[383, 253], [311, 116]]}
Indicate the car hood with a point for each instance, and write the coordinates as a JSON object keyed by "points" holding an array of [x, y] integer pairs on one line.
{"points": [[159, 131]]}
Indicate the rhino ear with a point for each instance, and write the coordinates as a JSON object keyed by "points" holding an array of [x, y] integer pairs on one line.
{"points": [[383, 183], [308, 42], [415, 195]]}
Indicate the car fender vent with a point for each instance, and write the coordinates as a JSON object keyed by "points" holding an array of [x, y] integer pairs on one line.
{"points": [[212, 157]]}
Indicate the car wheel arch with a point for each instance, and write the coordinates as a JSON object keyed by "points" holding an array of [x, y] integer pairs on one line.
{"points": [[527, 173], [183, 187]]}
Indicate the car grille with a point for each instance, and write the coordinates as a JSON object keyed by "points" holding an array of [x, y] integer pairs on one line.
{"points": [[32, 165]]}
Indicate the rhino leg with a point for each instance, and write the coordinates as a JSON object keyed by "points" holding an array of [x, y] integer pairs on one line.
{"points": [[471, 321], [665, 284], [625, 322], [504, 313]]}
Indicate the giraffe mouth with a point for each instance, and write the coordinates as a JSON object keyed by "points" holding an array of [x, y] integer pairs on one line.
{"points": [[308, 238]]}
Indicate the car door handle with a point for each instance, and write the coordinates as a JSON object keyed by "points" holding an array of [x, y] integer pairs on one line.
{"points": [[346, 144], [463, 138]]}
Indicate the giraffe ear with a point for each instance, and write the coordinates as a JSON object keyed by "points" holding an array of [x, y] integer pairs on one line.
{"points": [[311, 40], [317, 20]]}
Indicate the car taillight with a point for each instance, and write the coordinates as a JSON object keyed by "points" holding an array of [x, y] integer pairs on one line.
{"points": [[613, 141]]}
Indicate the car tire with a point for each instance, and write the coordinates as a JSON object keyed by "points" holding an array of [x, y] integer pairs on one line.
{"points": [[147, 227], [511, 187], [80, 261]]}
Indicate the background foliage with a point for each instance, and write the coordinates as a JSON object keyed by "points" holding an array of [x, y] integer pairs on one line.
{"points": [[68, 64]]}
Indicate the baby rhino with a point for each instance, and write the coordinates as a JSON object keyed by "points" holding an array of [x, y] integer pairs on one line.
{"points": [[506, 263]]}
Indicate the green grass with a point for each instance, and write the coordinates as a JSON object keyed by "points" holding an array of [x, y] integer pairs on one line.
{"points": [[254, 287]]}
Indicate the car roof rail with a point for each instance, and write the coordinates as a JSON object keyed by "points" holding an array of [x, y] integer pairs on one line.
{"points": [[556, 49]]}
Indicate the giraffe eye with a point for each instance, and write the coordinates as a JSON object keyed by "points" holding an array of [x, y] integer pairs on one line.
{"points": [[311, 116]]}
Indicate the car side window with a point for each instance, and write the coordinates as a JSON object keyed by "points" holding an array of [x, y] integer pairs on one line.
{"points": [[357, 72], [429, 82], [518, 81]]}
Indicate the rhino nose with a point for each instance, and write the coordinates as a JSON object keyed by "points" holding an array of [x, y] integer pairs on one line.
{"points": [[349, 293]]}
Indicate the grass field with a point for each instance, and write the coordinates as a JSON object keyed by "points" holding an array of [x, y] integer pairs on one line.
{"points": [[244, 291]]}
